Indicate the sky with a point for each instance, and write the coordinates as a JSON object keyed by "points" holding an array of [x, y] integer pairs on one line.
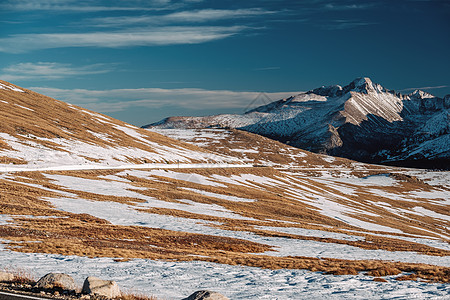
{"points": [[143, 60]]}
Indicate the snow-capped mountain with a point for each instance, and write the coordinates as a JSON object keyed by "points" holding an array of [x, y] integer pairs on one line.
{"points": [[40, 132], [362, 121]]}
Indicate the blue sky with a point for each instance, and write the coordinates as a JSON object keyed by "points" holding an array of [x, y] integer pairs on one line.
{"points": [[141, 61]]}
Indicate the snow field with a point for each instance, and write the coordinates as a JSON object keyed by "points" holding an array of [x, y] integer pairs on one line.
{"points": [[176, 280]]}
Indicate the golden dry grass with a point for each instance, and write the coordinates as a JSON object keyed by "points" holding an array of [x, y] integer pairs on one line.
{"points": [[72, 234], [52, 119], [136, 296], [271, 205]]}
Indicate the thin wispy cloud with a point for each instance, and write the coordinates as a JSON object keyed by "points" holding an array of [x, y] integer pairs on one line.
{"points": [[87, 6], [193, 16], [50, 71], [343, 24], [425, 88], [173, 35], [214, 14], [267, 68], [116, 100], [340, 6]]}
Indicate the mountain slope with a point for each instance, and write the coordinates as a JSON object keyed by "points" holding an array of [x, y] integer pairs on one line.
{"points": [[38, 131], [361, 121]]}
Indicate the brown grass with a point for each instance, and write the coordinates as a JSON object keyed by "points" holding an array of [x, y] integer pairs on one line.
{"points": [[11, 160], [135, 296], [53, 119], [21, 276], [413, 277], [384, 271]]}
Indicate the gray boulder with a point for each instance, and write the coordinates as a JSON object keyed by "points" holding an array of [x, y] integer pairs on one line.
{"points": [[6, 277], [56, 280], [206, 295], [107, 288]]}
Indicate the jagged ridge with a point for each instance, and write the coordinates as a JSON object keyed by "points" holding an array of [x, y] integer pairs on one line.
{"points": [[362, 121]]}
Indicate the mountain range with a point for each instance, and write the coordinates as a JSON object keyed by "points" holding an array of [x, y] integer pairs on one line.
{"points": [[361, 121]]}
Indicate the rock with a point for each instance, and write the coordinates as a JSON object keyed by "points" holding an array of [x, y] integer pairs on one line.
{"points": [[5, 276], [56, 280], [206, 295], [107, 288]]}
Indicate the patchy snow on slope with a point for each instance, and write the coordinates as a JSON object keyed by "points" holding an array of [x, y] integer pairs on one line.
{"points": [[430, 213], [130, 216], [343, 213], [328, 159], [440, 178], [23, 107], [102, 136], [102, 187], [372, 180], [123, 189], [245, 150], [440, 196], [10, 87], [312, 232], [251, 179], [190, 177], [193, 135], [5, 219], [219, 196], [74, 152]]}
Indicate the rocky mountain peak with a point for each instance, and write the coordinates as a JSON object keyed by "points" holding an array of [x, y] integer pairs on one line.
{"points": [[364, 85], [420, 94], [328, 91], [359, 85], [362, 82]]}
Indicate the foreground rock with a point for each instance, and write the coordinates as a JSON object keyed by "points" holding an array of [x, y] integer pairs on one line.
{"points": [[107, 288], [206, 295], [56, 280], [6, 277]]}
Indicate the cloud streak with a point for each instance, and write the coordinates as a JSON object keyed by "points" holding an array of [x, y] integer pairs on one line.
{"points": [[267, 68], [424, 88], [115, 100], [50, 71], [81, 6], [172, 35], [192, 16], [343, 7], [343, 24]]}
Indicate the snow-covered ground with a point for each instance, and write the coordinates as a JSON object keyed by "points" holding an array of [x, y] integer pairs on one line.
{"points": [[120, 166], [176, 280]]}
